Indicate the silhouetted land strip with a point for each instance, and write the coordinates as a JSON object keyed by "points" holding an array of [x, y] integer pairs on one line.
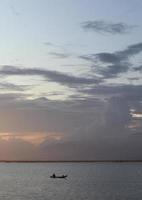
{"points": [[68, 161]]}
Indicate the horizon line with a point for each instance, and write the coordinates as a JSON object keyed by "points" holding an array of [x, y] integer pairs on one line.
{"points": [[65, 161]]}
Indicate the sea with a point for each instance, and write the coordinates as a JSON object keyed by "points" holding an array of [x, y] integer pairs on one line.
{"points": [[85, 181]]}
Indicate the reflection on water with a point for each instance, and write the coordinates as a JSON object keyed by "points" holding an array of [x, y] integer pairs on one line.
{"points": [[99, 181]]}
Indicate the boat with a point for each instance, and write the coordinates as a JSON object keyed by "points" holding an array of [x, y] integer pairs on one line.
{"points": [[63, 176]]}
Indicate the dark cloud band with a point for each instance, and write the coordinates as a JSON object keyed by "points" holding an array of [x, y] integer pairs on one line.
{"points": [[52, 76], [112, 64], [101, 26]]}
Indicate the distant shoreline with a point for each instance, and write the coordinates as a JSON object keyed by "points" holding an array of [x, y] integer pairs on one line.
{"points": [[69, 161]]}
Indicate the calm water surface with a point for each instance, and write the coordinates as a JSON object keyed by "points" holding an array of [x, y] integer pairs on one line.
{"points": [[92, 181]]}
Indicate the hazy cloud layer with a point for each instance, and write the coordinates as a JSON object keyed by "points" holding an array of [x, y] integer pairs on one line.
{"points": [[99, 99], [128, 92], [94, 125], [101, 26]]}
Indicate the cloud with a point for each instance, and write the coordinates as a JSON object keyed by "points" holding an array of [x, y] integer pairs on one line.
{"points": [[48, 43], [16, 149], [139, 68], [94, 125], [115, 57], [134, 79], [14, 10], [102, 27], [107, 57], [13, 87], [126, 148], [120, 56], [51, 76], [95, 120], [122, 97], [113, 70], [11, 97], [59, 55], [110, 65], [137, 116], [101, 103], [131, 50], [128, 92], [104, 132]]}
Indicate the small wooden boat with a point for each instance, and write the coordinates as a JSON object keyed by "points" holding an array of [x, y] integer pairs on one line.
{"points": [[63, 176]]}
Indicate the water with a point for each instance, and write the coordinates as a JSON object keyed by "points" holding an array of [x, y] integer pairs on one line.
{"points": [[86, 181]]}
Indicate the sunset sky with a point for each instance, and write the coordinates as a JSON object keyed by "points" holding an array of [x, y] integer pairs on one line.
{"points": [[70, 79]]}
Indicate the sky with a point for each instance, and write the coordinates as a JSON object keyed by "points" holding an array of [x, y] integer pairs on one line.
{"points": [[70, 79]]}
